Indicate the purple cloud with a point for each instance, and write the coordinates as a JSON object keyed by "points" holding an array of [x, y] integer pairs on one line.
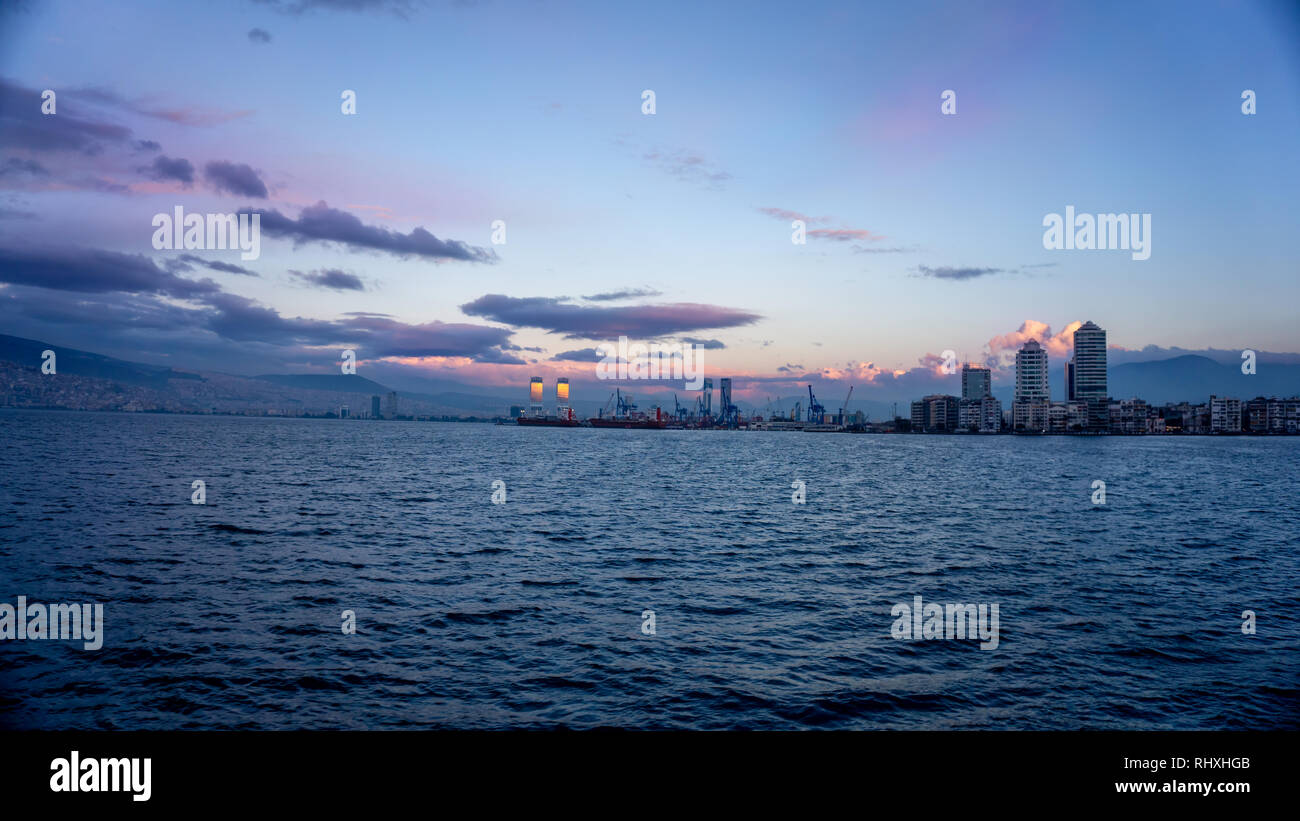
{"points": [[238, 179], [320, 223], [598, 322]]}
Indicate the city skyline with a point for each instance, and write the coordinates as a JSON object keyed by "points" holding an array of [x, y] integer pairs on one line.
{"points": [[924, 229]]}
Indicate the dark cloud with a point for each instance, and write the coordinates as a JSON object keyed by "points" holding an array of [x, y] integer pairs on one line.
{"points": [[235, 178], [955, 273], [626, 293], [259, 35], [789, 368], [15, 166], [241, 319], [184, 261], [599, 322], [580, 355], [165, 168], [147, 145], [130, 296], [706, 344], [320, 223], [331, 278], [94, 271], [23, 126]]}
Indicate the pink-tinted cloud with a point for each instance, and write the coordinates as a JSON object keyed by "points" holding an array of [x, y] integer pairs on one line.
{"points": [[841, 234], [1002, 349]]}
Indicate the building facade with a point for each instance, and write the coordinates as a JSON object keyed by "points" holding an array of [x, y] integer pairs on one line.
{"points": [[1225, 415], [976, 382], [1031, 373], [1088, 373]]}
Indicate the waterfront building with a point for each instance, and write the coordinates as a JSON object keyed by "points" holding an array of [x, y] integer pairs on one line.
{"points": [[1076, 415], [1254, 415], [935, 413], [976, 382], [1128, 416], [1225, 415], [1088, 373], [1058, 417], [990, 414], [374, 407], [1031, 373]]}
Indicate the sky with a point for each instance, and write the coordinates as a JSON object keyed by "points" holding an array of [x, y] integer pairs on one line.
{"points": [[924, 229]]}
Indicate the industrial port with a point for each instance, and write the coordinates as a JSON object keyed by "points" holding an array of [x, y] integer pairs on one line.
{"points": [[620, 411]]}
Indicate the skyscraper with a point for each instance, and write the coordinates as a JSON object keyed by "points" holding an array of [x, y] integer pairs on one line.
{"points": [[391, 412], [976, 383], [1031, 410], [1031, 373], [535, 389], [1069, 381], [374, 408], [1089, 373]]}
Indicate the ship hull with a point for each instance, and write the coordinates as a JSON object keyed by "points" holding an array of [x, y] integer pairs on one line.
{"points": [[548, 423], [630, 424]]}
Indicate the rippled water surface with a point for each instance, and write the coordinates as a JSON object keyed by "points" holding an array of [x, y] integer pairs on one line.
{"points": [[528, 614]]}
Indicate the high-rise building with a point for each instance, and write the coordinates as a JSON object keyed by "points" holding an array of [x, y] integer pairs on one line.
{"points": [[1031, 373], [374, 407], [535, 389], [562, 397], [391, 412], [976, 383], [1031, 410], [1089, 373], [1069, 381]]}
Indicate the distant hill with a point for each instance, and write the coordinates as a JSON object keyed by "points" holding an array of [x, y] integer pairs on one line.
{"points": [[1189, 377], [1193, 378], [27, 353], [338, 382]]}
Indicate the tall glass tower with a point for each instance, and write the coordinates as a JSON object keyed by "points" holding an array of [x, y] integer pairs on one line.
{"points": [[1089, 373]]}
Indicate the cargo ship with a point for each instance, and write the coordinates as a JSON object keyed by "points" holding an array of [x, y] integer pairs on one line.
{"points": [[626, 416], [548, 422], [565, 419]]}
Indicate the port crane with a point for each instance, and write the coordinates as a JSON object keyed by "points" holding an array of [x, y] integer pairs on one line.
{"points": [[815, 409], [625, 406], [844, 411]]}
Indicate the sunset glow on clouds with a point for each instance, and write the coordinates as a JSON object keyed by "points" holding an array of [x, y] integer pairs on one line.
{"points": [[923, 230]]}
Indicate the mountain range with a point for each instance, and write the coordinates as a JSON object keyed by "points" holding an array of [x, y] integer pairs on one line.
{"points": [[1188, 377]]}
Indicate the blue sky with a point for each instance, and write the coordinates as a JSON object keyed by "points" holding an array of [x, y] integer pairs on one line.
{"points": [[531, 113]]}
